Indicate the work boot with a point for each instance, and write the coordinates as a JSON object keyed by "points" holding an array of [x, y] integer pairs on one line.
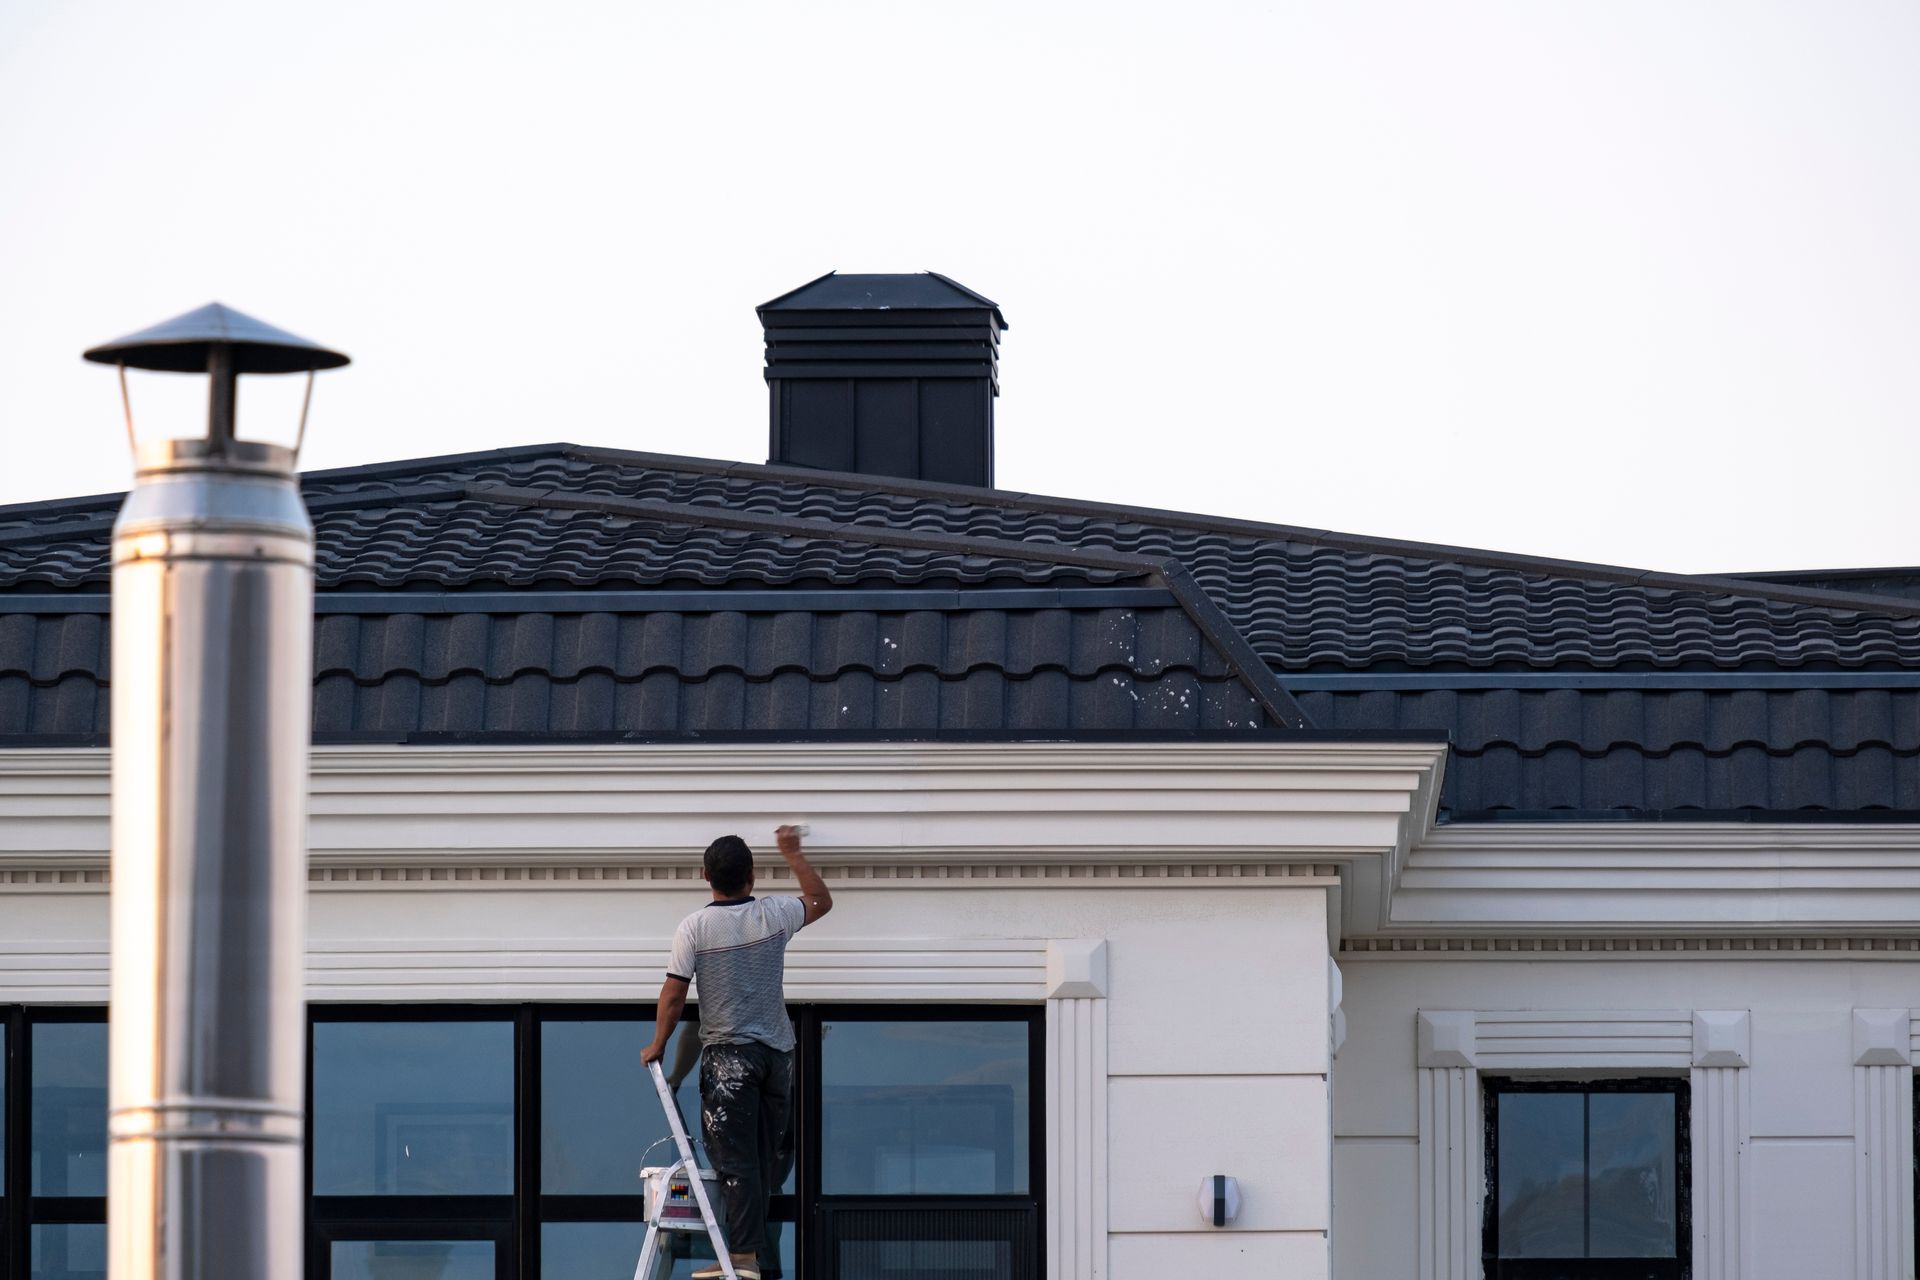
{"points": [[745, 1265]]}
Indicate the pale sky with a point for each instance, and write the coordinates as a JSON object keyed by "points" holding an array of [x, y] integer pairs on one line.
{"points": [[1623, 281]]}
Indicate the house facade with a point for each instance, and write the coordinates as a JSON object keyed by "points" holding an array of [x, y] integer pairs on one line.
{"points": [[1475, 914]]}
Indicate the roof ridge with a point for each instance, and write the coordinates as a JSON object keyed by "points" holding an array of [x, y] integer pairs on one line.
{"points": [[1654, 578]]}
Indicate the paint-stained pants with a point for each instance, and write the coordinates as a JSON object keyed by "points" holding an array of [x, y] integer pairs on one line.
{"points": [[746, 1096]]}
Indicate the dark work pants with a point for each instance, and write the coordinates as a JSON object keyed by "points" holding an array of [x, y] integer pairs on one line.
{"points": [[746, 1096]]}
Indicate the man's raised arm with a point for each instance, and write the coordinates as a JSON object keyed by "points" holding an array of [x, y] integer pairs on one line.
{"points": [[814, 894]]}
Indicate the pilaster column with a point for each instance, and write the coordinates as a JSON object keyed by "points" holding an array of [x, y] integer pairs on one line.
{"points": [[1721, 1127], [1882, 1125], [1077, 1109], [1451, 1176]]}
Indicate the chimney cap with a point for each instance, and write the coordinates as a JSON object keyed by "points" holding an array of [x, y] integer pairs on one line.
{"points": [[910, 291], [182, 344]]}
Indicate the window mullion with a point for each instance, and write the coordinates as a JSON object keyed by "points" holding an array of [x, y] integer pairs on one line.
{"points": [[1586, 1175]]}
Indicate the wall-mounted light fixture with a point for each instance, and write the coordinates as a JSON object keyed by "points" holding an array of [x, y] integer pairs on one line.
{"points": [[1220, 1199]]}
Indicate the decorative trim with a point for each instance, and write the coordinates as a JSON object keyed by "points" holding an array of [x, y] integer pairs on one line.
{"points": [[1722, 1038], [855, 876], [1020, 813], [1451, 1174], [1076, 1139], [1883, 1037], [1077, 969], [1559, 1040], [1667, 948], [1337, 1014], [1721, 1110], [326, 872], [825, 969], [1454, 1047], [1636, 878], [1882, 1167], [1445, 1038]]}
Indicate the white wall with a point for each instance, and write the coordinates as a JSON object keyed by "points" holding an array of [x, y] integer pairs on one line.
{"points": [[1800, 1175], [1203, 876], [1214, 1026]]}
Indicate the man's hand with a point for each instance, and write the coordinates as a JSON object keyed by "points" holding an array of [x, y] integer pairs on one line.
{"points": [[788, 838], [652, 1054]]}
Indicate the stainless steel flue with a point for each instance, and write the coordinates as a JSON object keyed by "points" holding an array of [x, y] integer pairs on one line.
{"points": [[212, 671]]}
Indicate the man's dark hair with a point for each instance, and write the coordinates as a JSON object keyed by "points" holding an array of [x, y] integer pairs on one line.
{"points": [[729, 866]]}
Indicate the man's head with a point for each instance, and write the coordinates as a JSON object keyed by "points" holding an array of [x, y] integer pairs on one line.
{"points": [[728, 867]]}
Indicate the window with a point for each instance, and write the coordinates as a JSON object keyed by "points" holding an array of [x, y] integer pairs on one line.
{"points": [[600, 1123], [924, 1141], [923, 1108], [1586, 1181], [56, 1130], [504, 1142], [412, 1158]]}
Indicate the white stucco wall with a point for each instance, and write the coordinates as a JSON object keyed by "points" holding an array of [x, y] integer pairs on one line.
{"points": [[1815, 1197], [1215, 1020], [1168, 905]]}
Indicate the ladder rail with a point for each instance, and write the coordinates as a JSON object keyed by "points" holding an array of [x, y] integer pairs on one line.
{"points": [[692, 1167]]}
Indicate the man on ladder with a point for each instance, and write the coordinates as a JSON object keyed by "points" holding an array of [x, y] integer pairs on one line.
{"points": [[736, 947]]}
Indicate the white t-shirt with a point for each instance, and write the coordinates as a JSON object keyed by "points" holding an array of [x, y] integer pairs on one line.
{"points": [[735, 952]]}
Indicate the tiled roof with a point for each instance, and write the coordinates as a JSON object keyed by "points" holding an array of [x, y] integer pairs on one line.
{"points": [[441, 536], [1056, 670], [1304, 599], [1650, 694], [749, 624], [1052, 670], [1666, 751]]}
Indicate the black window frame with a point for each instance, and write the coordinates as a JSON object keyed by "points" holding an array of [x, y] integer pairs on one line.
{"points": [[21, 1210], [542, 1207], [335, 1218], [512, 1222], [820, 1235], [1679, 1267]]}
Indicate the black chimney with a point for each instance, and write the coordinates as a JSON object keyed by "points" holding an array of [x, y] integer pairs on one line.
{"points": [[888, 375]]}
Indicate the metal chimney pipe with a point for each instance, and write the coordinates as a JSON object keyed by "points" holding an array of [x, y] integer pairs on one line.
{"points": [[212, 682], [212, 670]]}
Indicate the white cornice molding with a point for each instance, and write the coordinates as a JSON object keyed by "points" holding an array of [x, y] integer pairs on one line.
{"points": [[1271, 813], [1659, 879], [1268, 813]]}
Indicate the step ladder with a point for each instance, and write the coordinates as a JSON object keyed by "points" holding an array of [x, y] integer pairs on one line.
{"points": [[678, 1196]]}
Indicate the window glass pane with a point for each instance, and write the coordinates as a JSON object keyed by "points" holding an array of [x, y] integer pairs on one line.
{"points": [[1630, 1175], [1541, 1153], [613, 1248], [599, 1115], [68, 1252], [924, 1108], [69, 1106], [412, 1260], [412, 1108]]}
